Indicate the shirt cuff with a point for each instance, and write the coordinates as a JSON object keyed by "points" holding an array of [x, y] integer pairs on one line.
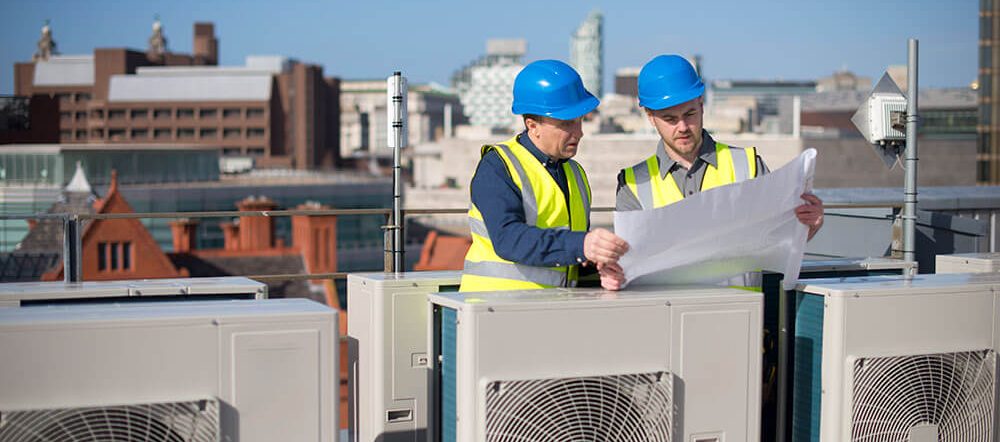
{"points": [[575, 242]]}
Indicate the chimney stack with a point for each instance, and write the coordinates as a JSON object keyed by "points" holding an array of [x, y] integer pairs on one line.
{"points": [[256, 232], [184, 233], [206, 46]]}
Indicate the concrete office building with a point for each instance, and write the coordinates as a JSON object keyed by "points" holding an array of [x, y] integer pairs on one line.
{"points": [[280, 112], [484, 85], [586, 52]]}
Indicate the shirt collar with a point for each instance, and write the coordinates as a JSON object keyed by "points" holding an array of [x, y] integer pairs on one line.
{"points": [[706, 153], [525, 141]]}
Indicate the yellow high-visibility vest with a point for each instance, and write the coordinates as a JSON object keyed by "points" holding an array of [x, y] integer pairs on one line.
{"points": [[734, 164], [545, 207]]}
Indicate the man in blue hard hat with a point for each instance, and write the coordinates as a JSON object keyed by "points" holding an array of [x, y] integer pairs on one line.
{"points": [[530, 214], [687, 159]]}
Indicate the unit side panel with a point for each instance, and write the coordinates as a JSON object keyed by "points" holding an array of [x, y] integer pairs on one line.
{"points": [[281, 380], [717, 364]]}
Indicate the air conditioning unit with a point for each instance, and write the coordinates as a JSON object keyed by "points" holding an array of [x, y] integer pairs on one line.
{"points": [[578, 365], [892, 358], [16, 294], [779, 327], [388, 356], [189, 371], [967, 263]]}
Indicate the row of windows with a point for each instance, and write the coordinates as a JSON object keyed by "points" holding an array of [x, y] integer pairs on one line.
{"points": [[247, 150], [167, 133], [73, 98], [114, 256], [184, 113]]}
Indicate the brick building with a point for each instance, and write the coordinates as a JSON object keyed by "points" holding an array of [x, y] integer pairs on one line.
{"points": [[278, 111]]}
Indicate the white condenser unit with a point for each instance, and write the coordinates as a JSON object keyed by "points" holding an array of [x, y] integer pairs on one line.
{"points": [[17, 294], [894, 358], [179, 372], [556, 365], [967, 263], [388, 356]]}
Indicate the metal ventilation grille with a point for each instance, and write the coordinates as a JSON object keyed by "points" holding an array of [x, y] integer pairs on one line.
{"points": [[192, 421], [939, 397], [625, 408]]}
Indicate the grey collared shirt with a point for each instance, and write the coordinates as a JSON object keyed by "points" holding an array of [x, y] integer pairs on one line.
{"points": [[688, 180]]}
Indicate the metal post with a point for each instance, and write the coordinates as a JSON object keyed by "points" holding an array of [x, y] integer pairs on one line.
{"points": [[910, 164], [397, 139], [71, 249]]}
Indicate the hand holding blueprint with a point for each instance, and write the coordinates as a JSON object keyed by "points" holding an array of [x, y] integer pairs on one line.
{"points": [[723, 232]]}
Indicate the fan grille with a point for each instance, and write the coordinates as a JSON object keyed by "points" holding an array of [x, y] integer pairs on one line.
{"points": [[953, 392], [191, 421], [625, 408]]}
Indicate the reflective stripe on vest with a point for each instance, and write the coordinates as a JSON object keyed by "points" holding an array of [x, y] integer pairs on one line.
{"points": [[545, 206], [733, 165]]}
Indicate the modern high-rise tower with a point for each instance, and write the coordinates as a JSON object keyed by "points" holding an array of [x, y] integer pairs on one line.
{"points": [[586, 52], [988, 155]]}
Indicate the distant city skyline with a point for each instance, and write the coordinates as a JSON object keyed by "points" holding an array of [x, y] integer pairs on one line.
{"points": [[429, 40]]}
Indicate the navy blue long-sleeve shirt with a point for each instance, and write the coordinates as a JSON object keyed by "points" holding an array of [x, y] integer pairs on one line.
{"points": [[499, 201]]}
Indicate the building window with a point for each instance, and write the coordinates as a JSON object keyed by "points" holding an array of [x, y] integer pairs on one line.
{"points": [[983, 171], [97, 113], [208, 113], [231, 132], [66, 116], [81, 115], [161, 114], [255, 132], [116, 134], [140, 133], [83, 96], [97, 133], [140, 114], [231, 151], [64, 98], [185, 133], [255, 112], [185, 113], [116, 114], [255, 151], [209, 133], [114, 249], [231, 112], [161, 134], [127, 255], [102, 256], [81, 135], [65, 135]]}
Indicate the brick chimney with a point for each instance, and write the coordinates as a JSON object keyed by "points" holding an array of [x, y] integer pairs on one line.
{"points": [[230, 236], [316, 237], [256, 232], [184, 234], [206, 46]]}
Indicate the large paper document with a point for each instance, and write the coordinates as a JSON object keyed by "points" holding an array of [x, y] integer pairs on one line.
{"points": [[721, 233]]}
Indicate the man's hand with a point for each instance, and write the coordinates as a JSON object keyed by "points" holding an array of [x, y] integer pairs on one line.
{"points": [[603, 247], [612, 276], [810, 213]]}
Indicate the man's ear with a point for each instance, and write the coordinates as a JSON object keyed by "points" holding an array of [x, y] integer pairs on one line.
{"points": [[530, 123]]}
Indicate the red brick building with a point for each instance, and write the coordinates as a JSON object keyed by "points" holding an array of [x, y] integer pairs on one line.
{"points": [[281, 112]]}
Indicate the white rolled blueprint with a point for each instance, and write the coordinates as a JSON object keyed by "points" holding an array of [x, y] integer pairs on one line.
{"points": [[721, 233]]}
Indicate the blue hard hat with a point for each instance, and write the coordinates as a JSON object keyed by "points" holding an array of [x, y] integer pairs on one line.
{"points": [[668, 80], [553, 89]]}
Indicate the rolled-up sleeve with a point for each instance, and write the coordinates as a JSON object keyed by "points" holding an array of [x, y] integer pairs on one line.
{"points": [[499, 201]]}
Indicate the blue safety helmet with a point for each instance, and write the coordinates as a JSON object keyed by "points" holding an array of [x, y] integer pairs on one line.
{"points": [[668, 80], [551, 88]]}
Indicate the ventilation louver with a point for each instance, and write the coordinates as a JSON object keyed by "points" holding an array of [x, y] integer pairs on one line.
{"points": [[191, 421], [938, 397], [624, 408]]}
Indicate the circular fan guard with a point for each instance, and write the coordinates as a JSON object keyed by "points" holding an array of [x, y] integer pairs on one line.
{"points": [[624, 408], [952, 391], [193, 421]]}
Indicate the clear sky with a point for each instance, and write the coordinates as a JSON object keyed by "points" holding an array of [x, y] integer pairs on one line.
{"points": [[429, 39]]}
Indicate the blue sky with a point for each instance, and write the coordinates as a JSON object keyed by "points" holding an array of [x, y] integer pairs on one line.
{"points": [[429, 39]]}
